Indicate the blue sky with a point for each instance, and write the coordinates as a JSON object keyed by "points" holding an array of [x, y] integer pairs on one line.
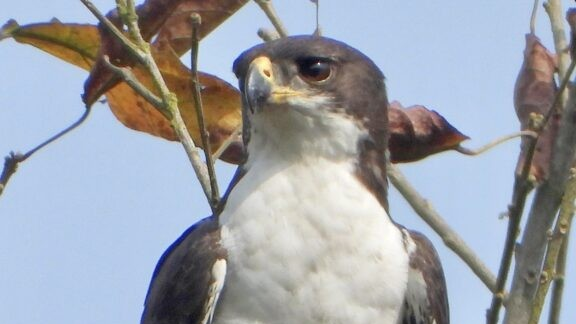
{"points": [[84, 221]]}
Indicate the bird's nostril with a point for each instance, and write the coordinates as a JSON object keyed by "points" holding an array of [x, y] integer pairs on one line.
{"points": [[267, 73]]}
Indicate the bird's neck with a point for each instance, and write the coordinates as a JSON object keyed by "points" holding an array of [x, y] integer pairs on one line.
{"points": [[294, 138]]}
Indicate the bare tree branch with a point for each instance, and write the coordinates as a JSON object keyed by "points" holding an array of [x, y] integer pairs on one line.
{"points": [[557, 238], [140, 49], [533, 17], [556, 14], [268, 8], [522, 186], [452, 240], [558, 286], [530, 252]]}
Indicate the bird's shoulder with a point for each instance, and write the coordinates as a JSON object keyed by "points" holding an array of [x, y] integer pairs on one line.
{"points": [[426, 300], [184, 280]]}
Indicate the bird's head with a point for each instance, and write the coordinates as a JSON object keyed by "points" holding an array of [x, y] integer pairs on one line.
{"points": [[312, 96]]}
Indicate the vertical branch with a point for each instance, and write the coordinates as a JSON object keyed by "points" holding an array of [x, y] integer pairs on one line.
{"points": [[530, 253], [12, 161], [556, 14], [533, 17], [521, 189], [522, 186], [557, 239], [558, 286], [215, 195]]}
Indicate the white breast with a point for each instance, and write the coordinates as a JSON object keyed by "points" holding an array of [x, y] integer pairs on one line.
{"points": [[308, 243]]}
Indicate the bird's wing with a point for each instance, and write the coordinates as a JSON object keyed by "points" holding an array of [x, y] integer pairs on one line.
{"points": [[188, 278], [426, 300]]}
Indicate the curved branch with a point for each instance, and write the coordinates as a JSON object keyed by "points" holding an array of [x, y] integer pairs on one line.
{"points": [[448, 235]]}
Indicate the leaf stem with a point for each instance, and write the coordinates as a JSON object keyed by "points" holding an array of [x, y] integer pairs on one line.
{"points": [[494, 143]]}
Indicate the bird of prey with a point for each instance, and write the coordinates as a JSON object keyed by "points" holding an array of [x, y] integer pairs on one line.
{"points": [[303, 234]]}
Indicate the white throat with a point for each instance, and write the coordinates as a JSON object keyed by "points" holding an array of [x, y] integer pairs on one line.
{"points": [[285, 134], [307, 241]]}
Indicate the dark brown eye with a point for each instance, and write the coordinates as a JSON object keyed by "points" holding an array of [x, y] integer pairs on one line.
{"points": [[314, 69]]}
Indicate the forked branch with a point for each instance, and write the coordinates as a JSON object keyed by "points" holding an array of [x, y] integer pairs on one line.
{"points": [[168, 104]]}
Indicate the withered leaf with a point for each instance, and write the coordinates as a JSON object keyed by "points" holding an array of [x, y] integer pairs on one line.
{"points": [[177, 31], [221, 102], [169, 18], [533, 96], [416, 132], [78, 45]]}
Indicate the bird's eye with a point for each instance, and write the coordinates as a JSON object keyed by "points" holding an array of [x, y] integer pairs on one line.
{"points": [[314, 69]]}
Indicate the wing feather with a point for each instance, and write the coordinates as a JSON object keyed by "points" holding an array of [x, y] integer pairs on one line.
{"points": [[188, 278], [426, 300]]}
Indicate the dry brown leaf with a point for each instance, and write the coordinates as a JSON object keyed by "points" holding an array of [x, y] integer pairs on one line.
{"points": [[76, 44], [221, 103], [416, 132], [177, 30], [170, 18], [533, 96]]}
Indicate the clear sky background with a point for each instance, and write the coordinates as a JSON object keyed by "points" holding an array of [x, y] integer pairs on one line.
{"points": [[84, 221]]}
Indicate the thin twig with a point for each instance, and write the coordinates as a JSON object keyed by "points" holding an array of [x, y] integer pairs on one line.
{"points": [[558, 236], [533, 17], [141, 51], [13, 159], [318, 31], [558, 286], [494, 143], [556, 14], [110, 27], [10, 167], [132, 81], [268, 8], [215, 196], [451, 238], [522, 187], [267, 35]]}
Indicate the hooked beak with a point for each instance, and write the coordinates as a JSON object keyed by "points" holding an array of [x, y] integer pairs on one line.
{"points": [[259, 83], [263, 88]]}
